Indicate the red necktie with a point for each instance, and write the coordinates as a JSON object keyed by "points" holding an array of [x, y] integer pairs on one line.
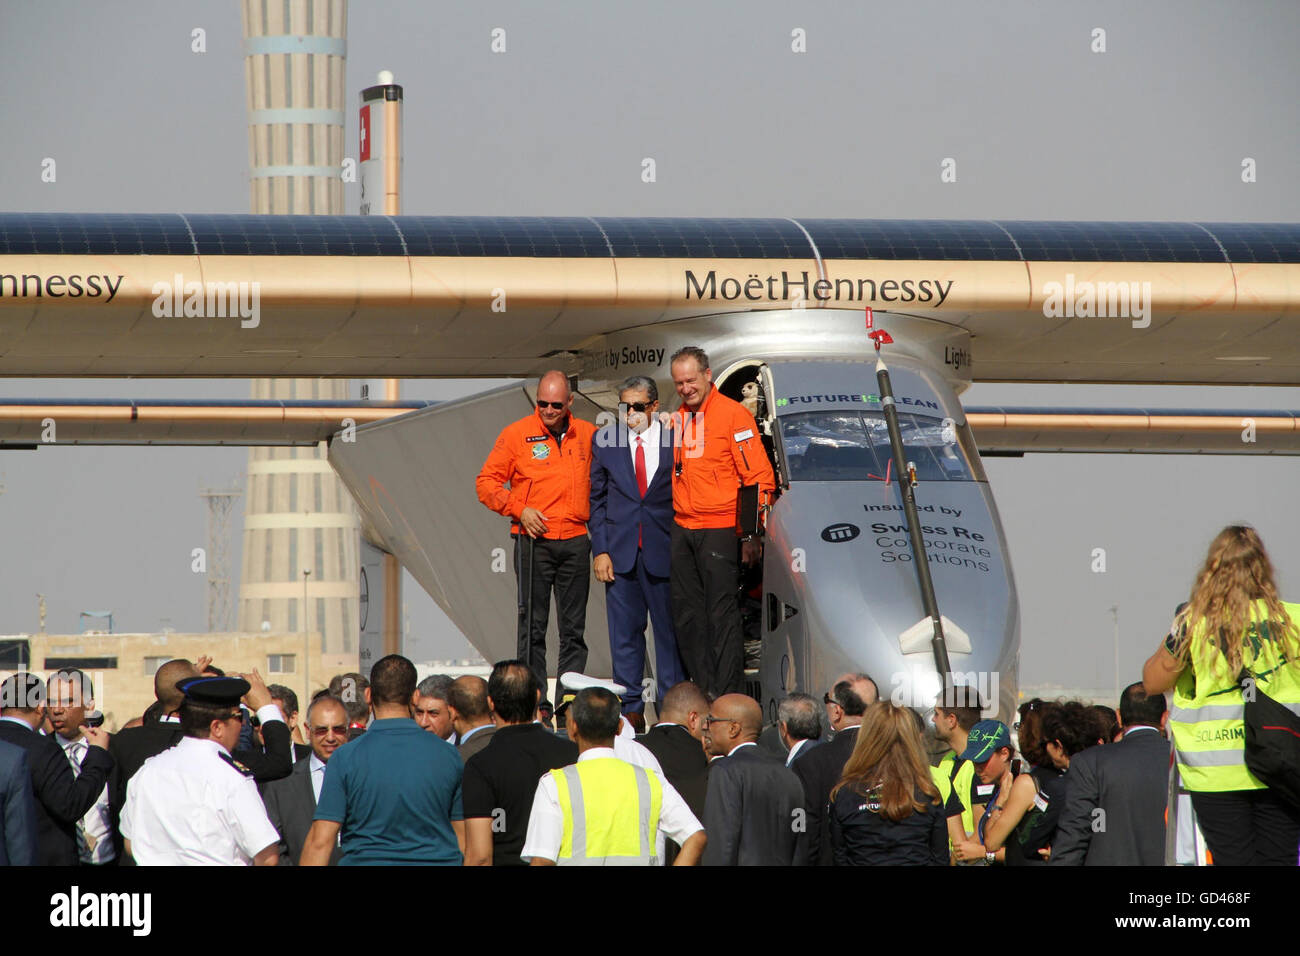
{"points": [[641, 482]]}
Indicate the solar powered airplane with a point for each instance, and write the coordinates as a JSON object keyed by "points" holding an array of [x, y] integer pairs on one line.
{"points": [[778, 303]]}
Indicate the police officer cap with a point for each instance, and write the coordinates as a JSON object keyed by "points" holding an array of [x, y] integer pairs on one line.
{"points": [[571, 682], [217, 691]]}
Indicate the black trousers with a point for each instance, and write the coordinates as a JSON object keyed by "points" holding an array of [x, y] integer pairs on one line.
{"points": [[1248, 828], [704, 578], [564, 566]]}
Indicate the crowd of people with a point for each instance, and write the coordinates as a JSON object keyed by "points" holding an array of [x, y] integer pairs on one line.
{"points": [[383, 768], [451, 772]]}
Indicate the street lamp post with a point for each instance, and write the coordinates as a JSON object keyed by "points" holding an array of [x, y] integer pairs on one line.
{"points": [[306, 638], [1114, 613]]}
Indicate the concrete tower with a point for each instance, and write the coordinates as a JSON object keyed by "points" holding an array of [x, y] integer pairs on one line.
{"points": [[298, 517]]}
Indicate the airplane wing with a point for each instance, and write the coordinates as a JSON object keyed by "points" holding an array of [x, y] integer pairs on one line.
{"points": [[1016, 431], [410, 296], [24, 423]]}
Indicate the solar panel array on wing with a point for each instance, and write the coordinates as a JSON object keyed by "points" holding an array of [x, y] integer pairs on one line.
{"points": [[655, 238], [1113, 242], [1258, 241], [505, 236], [96, 234], [909, 239], [169, 234], [295, 235]]}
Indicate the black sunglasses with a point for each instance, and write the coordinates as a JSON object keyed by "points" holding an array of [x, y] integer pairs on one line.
{"points": [[639, 406], [558, 406]]}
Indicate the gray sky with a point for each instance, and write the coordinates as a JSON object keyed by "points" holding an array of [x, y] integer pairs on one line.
{"points": [[1041, 127]]}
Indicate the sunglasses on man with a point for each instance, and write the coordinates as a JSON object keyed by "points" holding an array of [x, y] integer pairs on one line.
{"points": [[340, 730], [558, 406]]}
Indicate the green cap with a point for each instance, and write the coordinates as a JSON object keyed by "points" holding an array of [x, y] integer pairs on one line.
{"points": [[985, 738]]}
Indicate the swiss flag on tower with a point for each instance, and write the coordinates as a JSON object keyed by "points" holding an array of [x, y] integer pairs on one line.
{"points": [[365, 133]]}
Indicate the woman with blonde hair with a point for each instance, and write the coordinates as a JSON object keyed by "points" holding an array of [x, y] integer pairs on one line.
{"points": [[1233, 626], [886, 810]]}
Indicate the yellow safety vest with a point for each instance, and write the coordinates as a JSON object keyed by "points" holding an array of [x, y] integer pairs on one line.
{"points": [[945, 781], [1207, 718], [611, 813]]}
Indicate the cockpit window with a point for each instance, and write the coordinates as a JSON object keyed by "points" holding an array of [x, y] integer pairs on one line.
{"points": [[854, 446]]}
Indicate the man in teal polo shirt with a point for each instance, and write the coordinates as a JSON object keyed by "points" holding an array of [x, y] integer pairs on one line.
{"points": [[393, 794]]}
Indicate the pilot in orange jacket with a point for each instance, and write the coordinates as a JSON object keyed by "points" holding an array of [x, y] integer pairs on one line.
{"points": [[545, 458], [716, 451]]}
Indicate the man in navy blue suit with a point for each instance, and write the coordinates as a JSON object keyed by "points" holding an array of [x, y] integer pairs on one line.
{"points": [[631, 538], [17, 808]]}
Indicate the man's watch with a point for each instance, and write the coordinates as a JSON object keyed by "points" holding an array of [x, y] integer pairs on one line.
{"points": [[990, 857]]}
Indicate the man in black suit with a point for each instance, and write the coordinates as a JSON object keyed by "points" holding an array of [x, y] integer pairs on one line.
{"points": [[1115, 796], [799, 725], [291, 801], [17, 808], [753, 811], [501, 780], [677, 743], [131, 747], [284, 698], [62, 798], [471, 715], [820, 769]]}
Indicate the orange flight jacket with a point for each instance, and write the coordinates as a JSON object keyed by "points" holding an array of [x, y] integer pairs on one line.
{"points": [[553, 477], [715, 452]]}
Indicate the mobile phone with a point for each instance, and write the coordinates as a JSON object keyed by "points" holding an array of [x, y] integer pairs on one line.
{"points": [[94, 718]]}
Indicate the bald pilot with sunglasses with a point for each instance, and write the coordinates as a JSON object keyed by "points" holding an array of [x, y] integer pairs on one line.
{"points": [[538, 474]]}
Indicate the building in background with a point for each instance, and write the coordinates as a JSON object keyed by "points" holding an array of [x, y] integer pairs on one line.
{"points": [[298, 516], [122, 666]]}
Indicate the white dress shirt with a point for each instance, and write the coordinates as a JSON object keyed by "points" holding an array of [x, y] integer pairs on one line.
{"points": [[190, 806], [546, 821], [316, 767], [1136, 727], [794, 751], [651, 439], [94, 833]]}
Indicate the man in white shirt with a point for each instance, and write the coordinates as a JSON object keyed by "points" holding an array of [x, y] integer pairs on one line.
{"points": [[631, 541], [291, 801], [70, 693], [195, 804], [599, 810]]}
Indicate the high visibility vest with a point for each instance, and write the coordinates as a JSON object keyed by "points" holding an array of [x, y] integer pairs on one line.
{"points": [[1207, 718], [611, 813], [945, 780]]}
